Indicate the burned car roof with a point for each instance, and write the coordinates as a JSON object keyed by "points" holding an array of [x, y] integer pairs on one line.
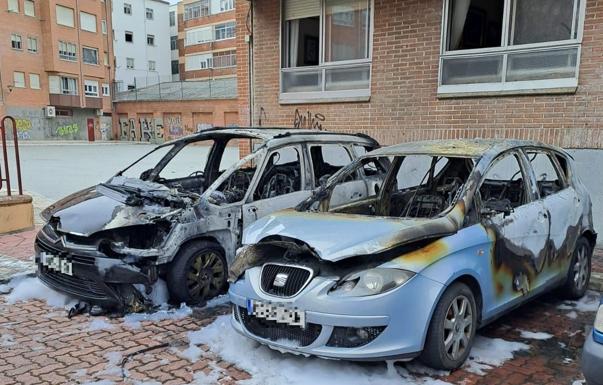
{"points": [[473, 148]]}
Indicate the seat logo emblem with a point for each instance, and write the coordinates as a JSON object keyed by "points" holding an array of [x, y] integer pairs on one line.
{"points": [[280, 280]]}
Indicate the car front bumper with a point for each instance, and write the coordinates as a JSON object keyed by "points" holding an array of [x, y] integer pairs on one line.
{"points": [[97, 280], [592, 359], [403, 319]]}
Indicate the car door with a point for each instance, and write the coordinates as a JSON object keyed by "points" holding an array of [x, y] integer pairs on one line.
{"points": [[282, 184], [560, 200], [519, 223]]}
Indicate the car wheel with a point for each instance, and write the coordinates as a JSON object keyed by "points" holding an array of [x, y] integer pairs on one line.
{"points": [[198, 273], [452, 329], [580, 269]]}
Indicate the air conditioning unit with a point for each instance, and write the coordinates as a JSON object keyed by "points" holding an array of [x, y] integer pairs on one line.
{"points": [[99, 112], [50, 111]]}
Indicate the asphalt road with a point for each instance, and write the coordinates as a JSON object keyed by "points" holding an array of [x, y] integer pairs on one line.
{"points": [[56, 170]]}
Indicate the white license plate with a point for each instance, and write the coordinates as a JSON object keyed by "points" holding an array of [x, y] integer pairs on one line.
{"points": [[56, 263], [278, 312]]}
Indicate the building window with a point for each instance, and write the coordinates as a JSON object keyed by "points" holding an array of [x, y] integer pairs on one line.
{"points": [[172, 19], [106, 91], [127, 9], [226, 5], [15, 41], [32, 44], [326, 51], [90, 55], [199, 36], [173, 43], [106, 59], [29, 8], [65, 16], [34, 81], [510, 46], [19, 79], [150, 39], [68, 86], [149, 13], [152, 65], [197, 62], [91, 88], [67, 51], [175, 69], [63, 112], [129, 37], [196, 10], [88, 22], [225, 31], [104, 26], [130, 63], [13, 6], [224, 59]]}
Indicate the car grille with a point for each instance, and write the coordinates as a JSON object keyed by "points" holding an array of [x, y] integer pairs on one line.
{"points": [[72, 284], [274, 331], [56, 250], [297, 279]]}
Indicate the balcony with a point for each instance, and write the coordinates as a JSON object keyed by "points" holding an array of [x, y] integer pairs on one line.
{"points": [[63, 100], [94, 102]]}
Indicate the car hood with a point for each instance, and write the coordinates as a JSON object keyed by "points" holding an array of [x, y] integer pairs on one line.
{"points": [[335, 237], [101, 208]]}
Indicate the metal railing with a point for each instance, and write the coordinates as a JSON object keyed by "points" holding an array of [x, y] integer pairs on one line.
{"points": [[5, 156], [149, 90]]}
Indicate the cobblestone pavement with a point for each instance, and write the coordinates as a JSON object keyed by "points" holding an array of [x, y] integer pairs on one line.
{"points": [[40, 345]]}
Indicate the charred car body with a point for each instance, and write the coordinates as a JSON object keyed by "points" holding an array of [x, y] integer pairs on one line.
{"points": [[411, 248], [178, 213]]}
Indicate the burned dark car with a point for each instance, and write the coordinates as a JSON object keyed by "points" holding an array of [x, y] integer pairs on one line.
{"points": [[178, 213], [411, 248]]}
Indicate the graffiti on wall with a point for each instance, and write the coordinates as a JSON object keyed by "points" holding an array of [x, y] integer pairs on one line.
{"points": [[68, 129], [105, 127], [23, 129], [204, 126], [308, 120], [174, 125], [143, 129]]}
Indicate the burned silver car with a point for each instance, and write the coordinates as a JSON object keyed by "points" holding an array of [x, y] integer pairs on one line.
{"points": [[178, 213]]}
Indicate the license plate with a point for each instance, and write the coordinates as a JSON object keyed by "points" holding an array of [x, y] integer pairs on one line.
{"points": [[278, 312], [56, 263]]}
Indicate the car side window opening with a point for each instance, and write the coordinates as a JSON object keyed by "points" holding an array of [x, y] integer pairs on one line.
{"points": [[548, 177], [230, 156], [327, 159], [503, 187], [189, 162], [281, 175], [234, 187]]}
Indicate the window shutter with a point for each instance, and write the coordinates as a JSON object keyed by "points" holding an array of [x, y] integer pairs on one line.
{"points": [[54, 84], [65, 16], [299, 9], [88, 22]]}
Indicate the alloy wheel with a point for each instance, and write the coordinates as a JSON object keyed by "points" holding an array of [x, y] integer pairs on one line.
{"points": [[581, 268], [205, 276], [458, 327]]}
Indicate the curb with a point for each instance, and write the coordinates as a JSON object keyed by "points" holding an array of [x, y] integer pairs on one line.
{"points": [[596, 281]]}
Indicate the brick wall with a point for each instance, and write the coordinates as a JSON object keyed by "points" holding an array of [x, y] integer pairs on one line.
{"points": [[404, 104]]}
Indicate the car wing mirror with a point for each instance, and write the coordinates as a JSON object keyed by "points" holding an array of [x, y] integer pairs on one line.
{"points": [[145, 174]]}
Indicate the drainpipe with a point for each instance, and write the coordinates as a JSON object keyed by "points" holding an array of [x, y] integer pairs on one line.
{"points": [[250, 61]]}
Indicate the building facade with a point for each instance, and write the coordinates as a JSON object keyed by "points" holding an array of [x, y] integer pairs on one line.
{"points": [[142, 43], [402, 70], [55, 68], [175, 52], [206, 39]]}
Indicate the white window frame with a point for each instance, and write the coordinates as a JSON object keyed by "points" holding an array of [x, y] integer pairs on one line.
{"points": [[152, 39], [172, 18], [30, 47], [147, 13], [358, 95], [71, 23], [91, 88], [16, 39], [565, 85], [68, 91], [127, 9], [132, 34], [13, 6], [128, 60], [193, 15], [173, 43], [29, 5], [152, 65], [69, 52], [90, 49], [226, 5], [104, 26], [34, 81], [226, 26], [85, 22], [106, 89], [18, 83]]}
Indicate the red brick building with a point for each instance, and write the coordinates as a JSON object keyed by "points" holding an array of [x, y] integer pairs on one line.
{"points": [[404, 70]]}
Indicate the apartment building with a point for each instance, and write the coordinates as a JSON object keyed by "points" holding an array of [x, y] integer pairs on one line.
{"points": [[55, 71], [206, 34], [175, 52], [141, 43]]}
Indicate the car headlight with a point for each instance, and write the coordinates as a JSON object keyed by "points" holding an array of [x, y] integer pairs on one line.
{"points": [[371, 282], [599, 320]]}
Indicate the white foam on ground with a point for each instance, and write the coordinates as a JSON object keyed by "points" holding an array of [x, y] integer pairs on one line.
{"points": [[7, 340], [534, 335], [218, 301], [572, 315], [490, 352], [113, 367], [268, 367], [32, 288], [587, 304], [159, 295], [101, 382], [100, 324], [133, 320]]}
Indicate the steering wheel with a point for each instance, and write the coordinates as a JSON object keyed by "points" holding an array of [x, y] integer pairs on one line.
{"points": [[279, 184], [196, 173], [236, 185]]}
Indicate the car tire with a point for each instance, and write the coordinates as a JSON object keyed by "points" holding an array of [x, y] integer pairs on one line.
{"points": [[451, 330], [198, 273], [578, 275]]}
